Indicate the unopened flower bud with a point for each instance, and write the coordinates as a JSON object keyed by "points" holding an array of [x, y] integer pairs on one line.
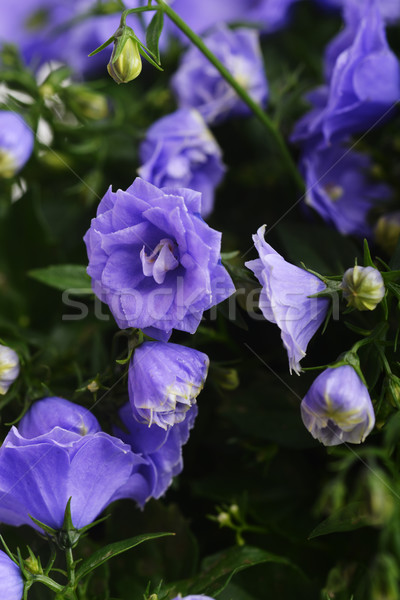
{"points": [[363, 287], [9, 368], [337, 408], [387, 231], [87, 103], [128, 64], [33, 565], [224, 519]]}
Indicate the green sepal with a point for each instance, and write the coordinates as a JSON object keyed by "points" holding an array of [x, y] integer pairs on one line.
{"points": [[153, 34], [121, 36], [102, 555], [45, 528], [68, 536], [368, 262], [100, 48]]}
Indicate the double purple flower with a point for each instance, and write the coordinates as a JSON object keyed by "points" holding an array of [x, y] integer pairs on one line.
{"points": [[180, 151], [154, 260], [198, 84]]}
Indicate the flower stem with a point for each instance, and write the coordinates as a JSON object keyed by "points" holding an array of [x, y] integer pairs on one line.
{"points": [[70, 567], [256, 109]]}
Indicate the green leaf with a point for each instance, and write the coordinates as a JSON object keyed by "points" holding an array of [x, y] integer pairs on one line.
{"points": [[153, 34], [350, 517], [102, 555], [100, 48], [64, 277], [219, 569]]}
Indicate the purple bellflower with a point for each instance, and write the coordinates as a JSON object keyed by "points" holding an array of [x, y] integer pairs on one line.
{"points": [[197, 83], [162, 449], [390, 9], [284, 299], [180, 151], [11, 582], [337, 408], [16, 143], [154, 260], [58, 452], [268, 15], [364, 86], [164, 382], [339, 189]]}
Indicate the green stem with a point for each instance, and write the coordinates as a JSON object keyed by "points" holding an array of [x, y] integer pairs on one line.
{"points": [[70, 567], [241, 92], [48, 582]]}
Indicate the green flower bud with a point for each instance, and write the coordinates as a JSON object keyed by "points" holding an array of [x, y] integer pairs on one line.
{"points": [[128, 64], [363, 287], [387, 231], [87, 103]]}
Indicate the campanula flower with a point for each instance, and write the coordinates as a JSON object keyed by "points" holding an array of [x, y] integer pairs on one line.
{"points": [[390, 9], [58, 452], [339, 189], [363, 89], [337, 408], [197, 83], [161, 448], [16, 143], [363, 287], [11, 582], [164, 382], [268, 15], [180, 151], [154, 260], [9, 368], [284, 299]]}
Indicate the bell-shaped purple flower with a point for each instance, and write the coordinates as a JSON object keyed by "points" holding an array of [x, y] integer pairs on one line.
{"points": [[284, 299], [340, 190], [164, 382], [161, 448], [337, 408], [16, 143], [180, 151], [197, 83], [59, 452], [268, 15], [154, 260], [390, 9], [364, 86], [11, 582]]}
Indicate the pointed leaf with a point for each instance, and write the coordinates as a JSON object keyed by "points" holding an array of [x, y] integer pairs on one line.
{"points": [[153, 34], [102, 555], [350, 517], [220, 568], [368, 262], [64, 277]]}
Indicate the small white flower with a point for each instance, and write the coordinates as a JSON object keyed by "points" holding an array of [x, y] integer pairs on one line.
{"points": [[9, 368]]}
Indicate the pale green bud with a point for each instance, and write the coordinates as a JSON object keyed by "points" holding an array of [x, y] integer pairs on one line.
{"points": [[128, 64], [33, 565], [387, 231], [88, 103], [363, 287]]}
